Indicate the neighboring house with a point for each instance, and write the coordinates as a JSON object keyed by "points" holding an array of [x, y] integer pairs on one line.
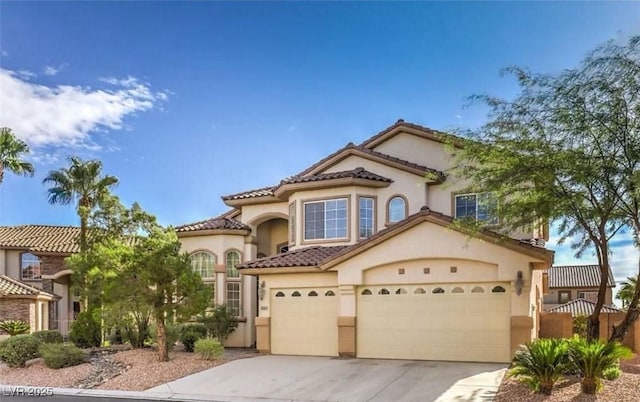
{"points": [[357, 256], [570, 282], [33, 272], [581, 307]]}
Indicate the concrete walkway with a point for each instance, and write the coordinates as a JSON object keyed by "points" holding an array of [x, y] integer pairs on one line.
{"points": [[298, 378]]}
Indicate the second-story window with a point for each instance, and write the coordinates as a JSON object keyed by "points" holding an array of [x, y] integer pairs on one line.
{"points": [[365, 217], [232, 261], [30, 267], [325, 219], [203, 263], [397, 209], [482, 207], [233, 297]]}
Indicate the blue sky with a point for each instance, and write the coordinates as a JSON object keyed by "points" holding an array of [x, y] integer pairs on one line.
{"points": [[185, 102]]}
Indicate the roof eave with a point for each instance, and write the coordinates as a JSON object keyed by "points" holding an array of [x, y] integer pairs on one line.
{"points": [[209, 232], [263, 199], [285, 190], [279, 270]]}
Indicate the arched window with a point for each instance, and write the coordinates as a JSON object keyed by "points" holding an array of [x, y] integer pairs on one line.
{"points": [[419, 291], [477, 289], [396, 209], [330, 293], [383, 291], [457, 289], [280, 294], [313, 293], [437, 291], [30, 267], [401, 291], [498, 289], [232, 261], [203, 263], [366, 292], [296, 294]]}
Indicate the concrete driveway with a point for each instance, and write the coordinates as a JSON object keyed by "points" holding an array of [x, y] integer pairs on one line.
{"points": [[298, 378]]}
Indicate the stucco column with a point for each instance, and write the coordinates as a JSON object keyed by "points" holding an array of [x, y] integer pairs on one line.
{"points": [[521, 327], [347, 321], [220, 271]]}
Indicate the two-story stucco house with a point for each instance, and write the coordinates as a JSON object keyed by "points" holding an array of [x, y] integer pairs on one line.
{"points": [[567, 283], [357, 256]]}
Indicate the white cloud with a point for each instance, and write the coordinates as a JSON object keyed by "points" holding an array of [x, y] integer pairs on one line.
{"points": [[67, 116], [25, 74], [52, 71]]}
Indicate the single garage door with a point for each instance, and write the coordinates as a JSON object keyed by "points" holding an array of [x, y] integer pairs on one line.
{"points": [[304, 321], [456, 322]]}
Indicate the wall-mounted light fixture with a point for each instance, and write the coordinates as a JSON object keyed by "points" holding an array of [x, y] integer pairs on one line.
{"points": [[261, 290], [519, 283]]}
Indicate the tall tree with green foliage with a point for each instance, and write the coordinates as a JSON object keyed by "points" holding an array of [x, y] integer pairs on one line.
{"points": [[81, 183], [627, 290], [12, 152], [565, 150]]}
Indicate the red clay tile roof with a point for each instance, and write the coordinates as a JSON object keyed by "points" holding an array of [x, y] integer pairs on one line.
{"points": [[400, 122], [357, 173], [580, 307], [220, 222], [306, 257], [259, 192], [41, 238], [13, 287], [577, 276]]}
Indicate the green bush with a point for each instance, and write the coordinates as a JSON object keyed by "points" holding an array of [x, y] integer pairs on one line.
{"points": [[592, 359], [48, 336], [541, 363], [85, 331], [59, 355], [580, 326], [17, 350], [612, 373], [209, 349], [220, 322], [172, 331], [14, 327], [190, 333]]}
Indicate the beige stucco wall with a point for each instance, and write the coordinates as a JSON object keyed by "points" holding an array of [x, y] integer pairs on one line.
{"points": [[270, 234], [253, 215], [298, 281], [10, 264], [415, 149]]}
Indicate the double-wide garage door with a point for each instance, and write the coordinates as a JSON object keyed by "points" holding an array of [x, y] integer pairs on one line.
{"points": [[304, 321], [457, 322]]}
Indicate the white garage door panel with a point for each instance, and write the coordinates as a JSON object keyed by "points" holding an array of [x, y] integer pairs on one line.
{"points": [[447, 326], [304, 325]]}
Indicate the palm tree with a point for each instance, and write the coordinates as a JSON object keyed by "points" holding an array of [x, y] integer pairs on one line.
{"points": [[11, 151], [627, 289], [82, 183]]}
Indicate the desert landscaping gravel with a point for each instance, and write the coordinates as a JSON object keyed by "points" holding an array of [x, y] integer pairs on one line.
{"points": [[624, 389], [143, 371]]}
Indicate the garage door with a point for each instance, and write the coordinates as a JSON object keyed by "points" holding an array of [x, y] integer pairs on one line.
{"points": [[304, 321], [456, 322]]}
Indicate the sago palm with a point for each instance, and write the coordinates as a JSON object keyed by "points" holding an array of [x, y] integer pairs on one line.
{"points": [[12, 150], [81, 183], [593, 358], [627, 289], [541, 363]]}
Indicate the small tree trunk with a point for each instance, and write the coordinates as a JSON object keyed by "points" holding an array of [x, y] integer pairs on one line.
{"points": [[589, 385], [633, 312], [593, 328], [163, 349]]}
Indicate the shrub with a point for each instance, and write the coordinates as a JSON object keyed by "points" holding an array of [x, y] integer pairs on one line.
{"points": [[541, 363], [48, 336], [59, 355], [172, 331], [220, 322], [190, 333], [208, 348], [580, 326], [17, 350], [85, 331], [592, 359], [14, 327], [612, 373]]}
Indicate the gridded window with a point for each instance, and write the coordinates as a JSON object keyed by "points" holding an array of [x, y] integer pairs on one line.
{"points": [[203, 263], [232, 260], [397, 209], [365, 213], [233, 298], [564, 296], [325, 219], [292, 223], [482, 207], [30, 267]]}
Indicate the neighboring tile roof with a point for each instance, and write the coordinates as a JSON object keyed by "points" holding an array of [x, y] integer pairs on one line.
{"points": [[259, 192], [42, 238], [13, 287], [220, 222], [580, 307], [577, 276], [306, 257], [357, 173]]}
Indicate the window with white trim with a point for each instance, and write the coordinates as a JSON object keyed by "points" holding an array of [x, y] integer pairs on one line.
{"points": [[365, 217], [482, 207], [233, 298], [30, 267], [325, 219], [397, 209], [232, 259], [203, 263]]}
